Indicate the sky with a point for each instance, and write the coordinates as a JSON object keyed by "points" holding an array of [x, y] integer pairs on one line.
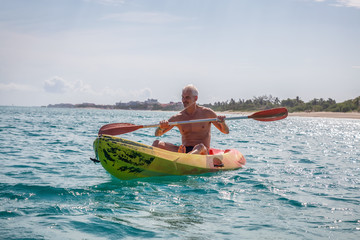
{"points": [[108, 51]]}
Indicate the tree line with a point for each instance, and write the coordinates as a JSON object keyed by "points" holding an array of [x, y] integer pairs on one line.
{"points": [[255, 104], [293, 105]]}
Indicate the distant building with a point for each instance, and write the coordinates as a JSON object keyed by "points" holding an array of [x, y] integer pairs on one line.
{"points": [[61, 105], [152, 101]]}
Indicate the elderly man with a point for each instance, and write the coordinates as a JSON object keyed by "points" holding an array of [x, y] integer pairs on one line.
{"points": [[195, 136]]}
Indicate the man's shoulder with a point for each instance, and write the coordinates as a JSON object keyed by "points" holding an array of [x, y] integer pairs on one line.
{"points": [[177, 117], [203, 112], [207, 111]]}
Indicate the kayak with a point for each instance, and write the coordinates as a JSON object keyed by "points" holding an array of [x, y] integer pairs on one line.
{"points": [[126, 159]]}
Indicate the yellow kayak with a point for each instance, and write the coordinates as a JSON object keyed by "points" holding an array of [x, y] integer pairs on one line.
{"points": [[126, 159]]}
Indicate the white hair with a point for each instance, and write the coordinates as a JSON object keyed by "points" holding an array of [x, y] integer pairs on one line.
{"points": [[192, 88]]}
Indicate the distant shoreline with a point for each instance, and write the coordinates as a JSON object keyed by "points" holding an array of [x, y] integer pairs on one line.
{"points": [[315, 108], [348, 115], [351, 115]]}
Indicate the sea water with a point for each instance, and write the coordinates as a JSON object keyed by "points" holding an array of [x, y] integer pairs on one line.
{"points": [[301, 181]]}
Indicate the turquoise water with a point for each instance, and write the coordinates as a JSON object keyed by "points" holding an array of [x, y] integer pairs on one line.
{"points": [[301, 181]]}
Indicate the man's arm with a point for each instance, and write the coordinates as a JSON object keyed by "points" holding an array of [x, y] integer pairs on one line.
{"points": [[164, 127], [221, 125]]}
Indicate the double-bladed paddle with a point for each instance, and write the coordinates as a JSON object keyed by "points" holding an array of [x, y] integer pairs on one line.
{"points": [[266, 116]]}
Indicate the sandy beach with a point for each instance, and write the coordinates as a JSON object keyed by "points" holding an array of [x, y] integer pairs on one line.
{"points": [[351, 115]]}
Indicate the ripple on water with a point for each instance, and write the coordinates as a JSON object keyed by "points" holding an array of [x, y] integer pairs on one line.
{"points": [[301, 181]]}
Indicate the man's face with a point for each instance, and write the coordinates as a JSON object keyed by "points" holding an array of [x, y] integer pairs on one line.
{"points": [[188, 98]]}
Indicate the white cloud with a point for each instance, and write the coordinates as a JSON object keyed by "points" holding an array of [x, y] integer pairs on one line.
{"points": [[58, 85], [144, 17], [108, 2], [350, 3], [342, 3], [142, 93], [17, 87]]}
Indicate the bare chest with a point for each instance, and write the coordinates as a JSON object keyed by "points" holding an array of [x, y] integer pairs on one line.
{"points": [[195, 128]]}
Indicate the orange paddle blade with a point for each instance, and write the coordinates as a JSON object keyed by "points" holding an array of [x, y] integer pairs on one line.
{"points": [[118, 128], [270, 115]]}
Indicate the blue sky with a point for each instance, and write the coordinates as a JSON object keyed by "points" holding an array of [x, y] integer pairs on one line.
{"points": [[107, 51]]}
